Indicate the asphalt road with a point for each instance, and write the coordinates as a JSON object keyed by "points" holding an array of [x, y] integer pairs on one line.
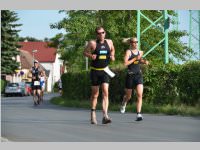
{"points": [[21, 121]]}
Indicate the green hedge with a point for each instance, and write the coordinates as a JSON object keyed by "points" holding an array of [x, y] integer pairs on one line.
{"points": [[76, 85], [189, 83], [160, 84], [165, 84], [3, 85]]}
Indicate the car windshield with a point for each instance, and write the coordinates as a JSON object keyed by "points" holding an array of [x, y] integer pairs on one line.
{"points": [[13, 84]]}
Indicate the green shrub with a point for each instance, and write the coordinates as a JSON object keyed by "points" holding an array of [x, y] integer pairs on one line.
{"points": [[163, 84], [55, 87], [189, 83], [3, 85], [160, 84], [76, 85]]}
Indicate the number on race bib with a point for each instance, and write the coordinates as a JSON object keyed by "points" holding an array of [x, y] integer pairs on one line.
{"points": [[36, 83]]}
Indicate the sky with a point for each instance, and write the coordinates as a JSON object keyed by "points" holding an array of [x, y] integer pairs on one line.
{"points": [[183, 23], [183, 19], [36, 22]]}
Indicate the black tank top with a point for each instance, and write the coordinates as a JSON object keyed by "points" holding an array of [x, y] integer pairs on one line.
{"points": [[135, 66], [35, 73], [103, 55]]}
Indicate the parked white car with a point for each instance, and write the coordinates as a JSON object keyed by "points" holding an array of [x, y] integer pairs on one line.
{"points": [[15, 89]]}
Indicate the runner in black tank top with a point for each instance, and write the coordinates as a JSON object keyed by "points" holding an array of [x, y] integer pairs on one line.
{"points": [[134, 76], [36, 83], [101, 51], [35, 74], [97, 74], [135, 66], [134, 79], [103, 55]]}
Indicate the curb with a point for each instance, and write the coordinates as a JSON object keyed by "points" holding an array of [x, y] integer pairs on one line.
{"points": [[4, 139]]}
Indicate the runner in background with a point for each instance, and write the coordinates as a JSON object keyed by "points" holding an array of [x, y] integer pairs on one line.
{"points": [[42, 84], [35, 70]]}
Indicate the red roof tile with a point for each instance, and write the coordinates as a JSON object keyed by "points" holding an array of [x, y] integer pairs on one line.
{"points": [[43, 54]]}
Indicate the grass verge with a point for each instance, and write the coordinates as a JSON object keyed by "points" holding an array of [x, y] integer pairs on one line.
{"points": [[182, 110]]}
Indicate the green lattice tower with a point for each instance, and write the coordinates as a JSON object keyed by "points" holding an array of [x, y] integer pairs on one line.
{"points": [[165, 26], [194, 33]]}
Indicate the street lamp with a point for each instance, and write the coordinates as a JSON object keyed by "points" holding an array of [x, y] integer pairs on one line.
{"points": [[34, 51]]}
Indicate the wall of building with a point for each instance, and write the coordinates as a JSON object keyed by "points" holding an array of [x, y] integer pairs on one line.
{"points": [[56, 67], [54, 74]]}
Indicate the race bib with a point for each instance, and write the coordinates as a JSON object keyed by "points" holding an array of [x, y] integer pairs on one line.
{"points": [[36, 83], [109, 72]]}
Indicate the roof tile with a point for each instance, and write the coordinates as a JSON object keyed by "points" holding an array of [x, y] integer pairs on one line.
{"points": [[44, 52]]}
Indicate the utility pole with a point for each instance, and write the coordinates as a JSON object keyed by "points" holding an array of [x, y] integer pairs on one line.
{"points": [[86, 58]]}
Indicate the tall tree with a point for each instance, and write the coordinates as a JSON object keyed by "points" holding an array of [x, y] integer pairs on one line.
{"points": [[80, 26], [9, 42]]}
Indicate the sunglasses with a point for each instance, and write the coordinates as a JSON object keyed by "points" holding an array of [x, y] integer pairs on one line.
{"points": [[100, 33], [133, 41]]}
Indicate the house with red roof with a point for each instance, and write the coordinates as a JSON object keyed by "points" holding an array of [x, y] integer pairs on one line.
{"points": [[25, 60], [47, 57]]}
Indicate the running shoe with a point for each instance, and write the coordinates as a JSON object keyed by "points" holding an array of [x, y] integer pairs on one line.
{"points": [[123, 108], [106, 120], [139, 117]]}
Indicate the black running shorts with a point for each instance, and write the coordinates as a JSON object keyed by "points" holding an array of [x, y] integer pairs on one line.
{"points": [[98, 77], [36, 86], [132, 80]]}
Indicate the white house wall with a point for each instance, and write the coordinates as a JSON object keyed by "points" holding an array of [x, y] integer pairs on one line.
{"points": [[54, 74], [56, 66], [49, 82]]}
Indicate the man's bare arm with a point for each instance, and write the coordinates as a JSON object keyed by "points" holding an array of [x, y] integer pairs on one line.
{"points": [[88, 50], [112, 51]]}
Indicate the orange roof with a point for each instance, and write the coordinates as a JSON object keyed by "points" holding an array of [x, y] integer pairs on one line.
{"points": [[44, 52]]}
